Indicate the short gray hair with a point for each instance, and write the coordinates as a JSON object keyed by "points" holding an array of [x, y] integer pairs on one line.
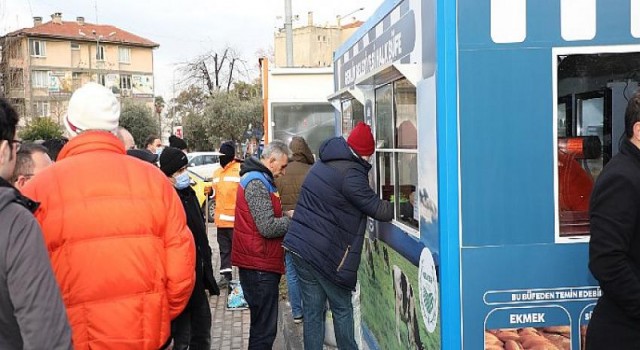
{"points": [[275, 148]]}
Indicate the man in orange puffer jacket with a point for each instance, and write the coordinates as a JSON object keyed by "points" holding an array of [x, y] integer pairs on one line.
{"points": [[116, 233]]}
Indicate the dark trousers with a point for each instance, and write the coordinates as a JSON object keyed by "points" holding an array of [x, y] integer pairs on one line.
{"points": [[225, 237], [192, 328], [261, 291]]}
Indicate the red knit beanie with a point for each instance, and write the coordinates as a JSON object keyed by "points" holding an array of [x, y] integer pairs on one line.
{"points": [[361, 140]]}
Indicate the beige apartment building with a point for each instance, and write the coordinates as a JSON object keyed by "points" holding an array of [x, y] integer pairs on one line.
{"points": [[43, 65], [313, 45]]}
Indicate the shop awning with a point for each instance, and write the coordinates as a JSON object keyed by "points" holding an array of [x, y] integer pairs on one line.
{"points": [[345, 94], [390, 72]]}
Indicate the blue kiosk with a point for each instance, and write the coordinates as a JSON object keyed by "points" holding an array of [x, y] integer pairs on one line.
{"points": [[492, 120]]}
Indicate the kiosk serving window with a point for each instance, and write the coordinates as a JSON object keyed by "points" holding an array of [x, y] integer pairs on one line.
{"points": [[397, 148], [352, 113], [592, 91]]}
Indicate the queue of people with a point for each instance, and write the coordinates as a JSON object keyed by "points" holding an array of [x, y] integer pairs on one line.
{"points": [[104, 246], [108, 248]]}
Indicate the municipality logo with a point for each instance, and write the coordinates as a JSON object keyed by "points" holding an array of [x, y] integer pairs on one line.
{"points": [[428, 284]]}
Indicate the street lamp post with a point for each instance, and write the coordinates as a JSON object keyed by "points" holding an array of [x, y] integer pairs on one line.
{"points": [[339, 18], [97, 38]]}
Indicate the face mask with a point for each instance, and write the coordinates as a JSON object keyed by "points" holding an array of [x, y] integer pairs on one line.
{"points": [[158, 151], [182, 181]]}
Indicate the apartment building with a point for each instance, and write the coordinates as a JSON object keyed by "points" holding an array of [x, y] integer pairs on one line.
{"points": [[43, 65], [313, 45]]}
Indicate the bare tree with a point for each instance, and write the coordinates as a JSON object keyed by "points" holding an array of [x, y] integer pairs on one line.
{"points": [[214, 70]]}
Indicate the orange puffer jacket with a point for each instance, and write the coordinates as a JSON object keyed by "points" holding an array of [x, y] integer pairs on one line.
{"points": [[118, 241]]}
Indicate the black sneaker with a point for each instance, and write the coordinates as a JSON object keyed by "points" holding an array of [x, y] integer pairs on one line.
{"points": [[298, 320]]}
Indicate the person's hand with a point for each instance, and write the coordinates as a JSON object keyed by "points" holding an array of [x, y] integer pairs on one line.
{"points": [[289, 213]]}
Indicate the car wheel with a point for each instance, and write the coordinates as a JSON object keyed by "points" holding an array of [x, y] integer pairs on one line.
{"points": [[210, 210]]}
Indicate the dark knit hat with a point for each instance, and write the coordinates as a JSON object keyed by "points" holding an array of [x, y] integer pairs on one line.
{"points": [[361, 140], [171, 160], [228, 151], [143, 154], [175, 141]]}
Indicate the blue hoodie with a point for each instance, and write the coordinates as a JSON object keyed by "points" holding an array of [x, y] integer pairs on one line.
{"points": [[327, 229]]}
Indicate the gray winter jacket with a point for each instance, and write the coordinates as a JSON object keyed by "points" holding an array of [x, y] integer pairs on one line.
{"points": [[32, 314]]}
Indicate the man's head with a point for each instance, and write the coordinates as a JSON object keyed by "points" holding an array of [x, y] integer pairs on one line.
{"points": [[8, 144], [54, 146], [153, 144], [173, 163], [31, 159], [276, 157], [228, 150], [92, 107], [632, 120], [127, 139], [361, 141]]}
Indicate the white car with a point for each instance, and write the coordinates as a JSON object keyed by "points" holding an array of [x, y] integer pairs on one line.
{"points": [[205, 171], [203, 158]]}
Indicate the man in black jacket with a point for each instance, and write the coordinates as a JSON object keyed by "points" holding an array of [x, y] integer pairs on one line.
{"points": [[326, 234], [614, 248], [192, 328]]}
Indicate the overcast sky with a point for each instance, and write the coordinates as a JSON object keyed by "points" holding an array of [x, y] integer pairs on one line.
{"points": [[186, 28]]}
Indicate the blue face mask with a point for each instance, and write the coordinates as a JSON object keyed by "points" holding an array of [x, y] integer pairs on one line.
{"points": [[182, 181], [159, 151]]}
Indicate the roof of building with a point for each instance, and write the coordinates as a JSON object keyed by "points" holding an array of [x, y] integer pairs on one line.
{"points": [[84, 32], [355, 24]]}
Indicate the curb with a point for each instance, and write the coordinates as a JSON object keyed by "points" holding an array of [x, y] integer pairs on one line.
{"points": [[291, 332]]}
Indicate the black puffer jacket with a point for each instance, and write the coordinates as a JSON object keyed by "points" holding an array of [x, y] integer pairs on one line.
{"points": [[328, 225], [195, 222], [614, 252]]}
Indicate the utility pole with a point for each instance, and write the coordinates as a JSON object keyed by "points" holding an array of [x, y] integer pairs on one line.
{"points": [[288, 31]]}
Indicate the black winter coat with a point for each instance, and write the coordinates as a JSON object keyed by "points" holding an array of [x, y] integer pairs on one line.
{"points": [[328, 225], [195, 222], [614, 252]]}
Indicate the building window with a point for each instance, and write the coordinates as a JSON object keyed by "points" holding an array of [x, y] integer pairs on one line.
{"points": [[102, 79], [40, 79], [76, 80], [125, 81], [38, 48], [100, 54], [397, 149], [75, 46], [41, 109], [124, 54]]}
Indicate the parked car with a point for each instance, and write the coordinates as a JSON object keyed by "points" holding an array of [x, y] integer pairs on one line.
{"points": [[203, 158], [202, 186]]}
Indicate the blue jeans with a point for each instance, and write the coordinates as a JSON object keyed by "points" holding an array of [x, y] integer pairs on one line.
{"points": [[261, 292], [293, 287], [315, 291]]}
